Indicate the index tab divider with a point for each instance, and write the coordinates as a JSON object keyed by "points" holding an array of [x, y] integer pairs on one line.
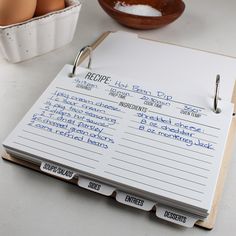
{"points": [[96, 186], [134, 201], [57, 170], [176, 216]]}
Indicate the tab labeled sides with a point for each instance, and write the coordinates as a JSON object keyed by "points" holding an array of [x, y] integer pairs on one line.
{"points": [[96, 186], [56, 170], [176, 216], [134, 201]]}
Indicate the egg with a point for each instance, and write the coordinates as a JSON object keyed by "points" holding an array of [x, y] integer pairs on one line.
{"points": [[46, 6], [16, 11]]}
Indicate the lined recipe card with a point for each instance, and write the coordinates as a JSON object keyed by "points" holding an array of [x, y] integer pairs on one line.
{"points": [[128, 133]]}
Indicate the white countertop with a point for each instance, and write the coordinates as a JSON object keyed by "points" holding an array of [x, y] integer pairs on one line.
{"points": [[34, 204]]}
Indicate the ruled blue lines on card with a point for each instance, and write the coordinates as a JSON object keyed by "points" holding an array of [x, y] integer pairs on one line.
{"points": [[64, 123], [156, 147], [189, 121], [82, 118], [152, 186], [53, 155], [61, 142], [72, 91], [153, 131], [191, 134], [131, 149], [56, 148], [75, 108], [155, 162], [101, 104], [169, 144], [71, 130], [77, 113], [87, 125], [78, 138], [157, 170], [154, 178], [184, 128]]}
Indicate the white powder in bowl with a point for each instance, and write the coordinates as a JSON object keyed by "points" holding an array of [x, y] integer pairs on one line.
{"points": [[138, 9]]}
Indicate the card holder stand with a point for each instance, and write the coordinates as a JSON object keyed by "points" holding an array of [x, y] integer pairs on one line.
{"points": [[162, 211]]}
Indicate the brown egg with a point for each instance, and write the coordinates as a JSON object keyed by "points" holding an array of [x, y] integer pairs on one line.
{"points": [[46, 6], [16, 11]]}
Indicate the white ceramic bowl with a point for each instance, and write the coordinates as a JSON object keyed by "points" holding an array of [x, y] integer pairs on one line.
{"points": [[39, 35]]}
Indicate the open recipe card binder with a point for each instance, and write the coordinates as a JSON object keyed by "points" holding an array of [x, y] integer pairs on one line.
{"points": [[146, 123]]}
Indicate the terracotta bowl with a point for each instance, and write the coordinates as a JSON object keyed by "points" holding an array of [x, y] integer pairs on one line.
{"points": [[170, 9]]}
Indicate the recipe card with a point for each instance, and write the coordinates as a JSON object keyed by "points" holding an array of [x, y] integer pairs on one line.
{"points": [[132, 134]]}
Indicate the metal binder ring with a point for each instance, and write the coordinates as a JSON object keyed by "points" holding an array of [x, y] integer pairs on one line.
{"points": [[216, 109], [77, 59]]}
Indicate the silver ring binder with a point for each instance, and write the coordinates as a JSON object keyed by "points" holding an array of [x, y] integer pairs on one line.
{"points": [[77, 59], [216, 109]]}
